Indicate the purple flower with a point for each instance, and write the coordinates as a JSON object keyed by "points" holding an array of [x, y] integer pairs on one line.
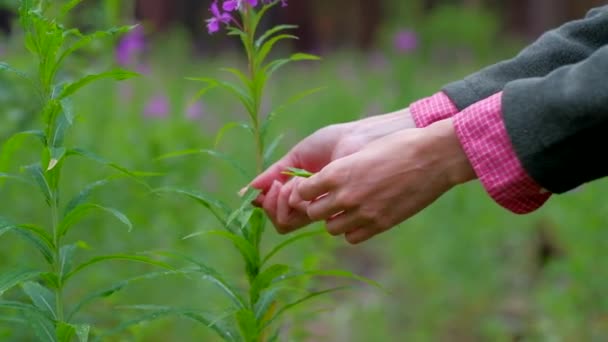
{"points": [[131, 46], [213, 24], [195, 111], [157, 107], [406, 41], [234, 5]]}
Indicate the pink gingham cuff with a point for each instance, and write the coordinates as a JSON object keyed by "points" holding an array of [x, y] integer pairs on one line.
{"points": [[432, 109], [483, 135]]}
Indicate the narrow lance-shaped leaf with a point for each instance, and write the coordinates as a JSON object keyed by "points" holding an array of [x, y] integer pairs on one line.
{"points": [[154, 312], [216, 207], [229, 126], [265, 279], [125, 257], [271, 149], [270, 32], [310, 296], [35, 235], [119, 286], [66, 259], [214, 277], [37, 175], [242, 95], [10, 279], [82, 210], [56, 154], [295, 172], [290, 241], [248, 325], [65, 332], [84, 195], [267, 47], [42, 298], [115, 74]]}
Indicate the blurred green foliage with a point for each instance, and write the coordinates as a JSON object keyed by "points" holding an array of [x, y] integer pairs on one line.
{"points": [[464, 270]]}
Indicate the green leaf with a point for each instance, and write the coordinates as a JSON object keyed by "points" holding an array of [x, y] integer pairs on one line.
{"points": [[295, 172], [125, 257], [266, 48], [229, 126], [243, 96], [62, 123], [65, 332], [304, 299], [219, 155], [214, 277], [117, 287], [158, 312], [66, 259], [115, 74], [37, 175], [249, 196], [246, 249], [135, 175], [248, 325], [38, 237], [84, 195], [266, 303], [8, 68], [82, 210], [42, 298], [290, 241], [272, 31], [43, 326], [66, 8], [265, 279], [57, 154], [15, 142], [85, 40], [244, 79], [217, 208], [82, 332], [10, 279]]}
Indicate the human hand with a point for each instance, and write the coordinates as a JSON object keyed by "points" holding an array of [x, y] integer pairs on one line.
{"points": [[387, 182], [287, 211]]}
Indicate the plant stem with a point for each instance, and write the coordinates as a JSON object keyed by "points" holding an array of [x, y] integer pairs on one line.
{"points": [[57, 253]]}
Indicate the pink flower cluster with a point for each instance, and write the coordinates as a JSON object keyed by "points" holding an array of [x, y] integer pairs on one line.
{"points": [[222, 15]]}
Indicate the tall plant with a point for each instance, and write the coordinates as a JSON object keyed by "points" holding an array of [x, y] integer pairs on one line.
{"points": [[257, 309], [44, 305]]}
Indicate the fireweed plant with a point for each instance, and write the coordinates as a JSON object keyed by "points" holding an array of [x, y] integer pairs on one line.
{"points": [[42, 302], [260, 302]]}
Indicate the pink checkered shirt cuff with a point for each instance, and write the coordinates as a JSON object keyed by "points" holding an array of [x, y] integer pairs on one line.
{"points": [[432, 109], [483, 135]]}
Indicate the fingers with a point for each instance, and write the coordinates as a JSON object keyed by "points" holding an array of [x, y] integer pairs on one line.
{"points": [[289, 218], [317, 185], [274, 173], [361, 235], [270, 200], [345, 223]]}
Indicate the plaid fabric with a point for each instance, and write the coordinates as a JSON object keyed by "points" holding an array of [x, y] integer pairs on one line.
{"points": [[432, 109], [484, 137]]}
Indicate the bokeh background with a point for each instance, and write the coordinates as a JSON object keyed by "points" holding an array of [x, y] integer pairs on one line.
{"points": [[464, 270]]}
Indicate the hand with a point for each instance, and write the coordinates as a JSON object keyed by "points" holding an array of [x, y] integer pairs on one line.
{"points": [[389, 181], [287, 211]]}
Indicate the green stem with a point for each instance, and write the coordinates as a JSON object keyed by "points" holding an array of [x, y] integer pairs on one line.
{"points": [[57, 253]]}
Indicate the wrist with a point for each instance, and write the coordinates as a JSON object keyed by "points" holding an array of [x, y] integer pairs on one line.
{"points": [[443, 141]]}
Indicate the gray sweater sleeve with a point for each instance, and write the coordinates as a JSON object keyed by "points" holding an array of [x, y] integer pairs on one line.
{"points": [[569, 44], [558, 124]]}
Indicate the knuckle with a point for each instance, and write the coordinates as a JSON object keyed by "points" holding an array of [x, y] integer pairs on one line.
{"points": [[346, 200]]}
